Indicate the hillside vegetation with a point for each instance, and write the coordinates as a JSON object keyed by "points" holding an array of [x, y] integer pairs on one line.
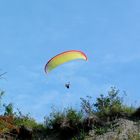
{"points": [[106, 118]]}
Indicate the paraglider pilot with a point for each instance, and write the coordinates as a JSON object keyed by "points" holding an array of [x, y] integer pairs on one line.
{"points": [[67, 85]]}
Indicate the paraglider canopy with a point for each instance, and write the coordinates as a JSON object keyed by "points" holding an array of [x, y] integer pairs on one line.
{"points": [[63, 58]]}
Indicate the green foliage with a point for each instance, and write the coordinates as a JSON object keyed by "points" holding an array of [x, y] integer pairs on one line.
{"points": [[135, 136], [87, 106], [56, 118], [105, 108], [129, 110], [110, 105], [9, 110], [81, 136], [24, 120], [1, 95], [100, 130], [73, 116]]}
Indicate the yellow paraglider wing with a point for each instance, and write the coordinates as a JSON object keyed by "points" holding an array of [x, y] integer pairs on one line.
{"points": [[64, 57]]}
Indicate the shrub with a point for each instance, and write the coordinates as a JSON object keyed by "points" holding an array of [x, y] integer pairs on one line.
{"points": [[128, 110], [110, 106], [54, 120], [73, 116], [100, 130], [136, 113], [1, 95], [87, 106], [9, 111], [81, 136], [67, 118], [135, 136], [24, 120]]}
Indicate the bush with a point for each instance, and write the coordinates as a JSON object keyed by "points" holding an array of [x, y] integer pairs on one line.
{"points": [[54, 120], [128, 110], [134, 136], [1, 95], [9, 111], [87, 106], [81, 136], [73, 116], [110, 106], [24, 120], [107, 107], [136, 113], [68, 117]]}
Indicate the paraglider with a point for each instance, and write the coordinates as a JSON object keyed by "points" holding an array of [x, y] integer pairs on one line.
{"points": [[63, 58]]}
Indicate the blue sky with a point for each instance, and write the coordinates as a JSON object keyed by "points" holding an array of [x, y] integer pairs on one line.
{"points": [[31, 32]]}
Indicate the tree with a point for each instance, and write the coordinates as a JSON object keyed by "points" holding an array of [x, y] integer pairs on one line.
{"points": [[9, 111], [110, 106], [87, 106]]}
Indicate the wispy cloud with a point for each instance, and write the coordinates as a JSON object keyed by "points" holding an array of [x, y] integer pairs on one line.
{"points": [[121, 58]]}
